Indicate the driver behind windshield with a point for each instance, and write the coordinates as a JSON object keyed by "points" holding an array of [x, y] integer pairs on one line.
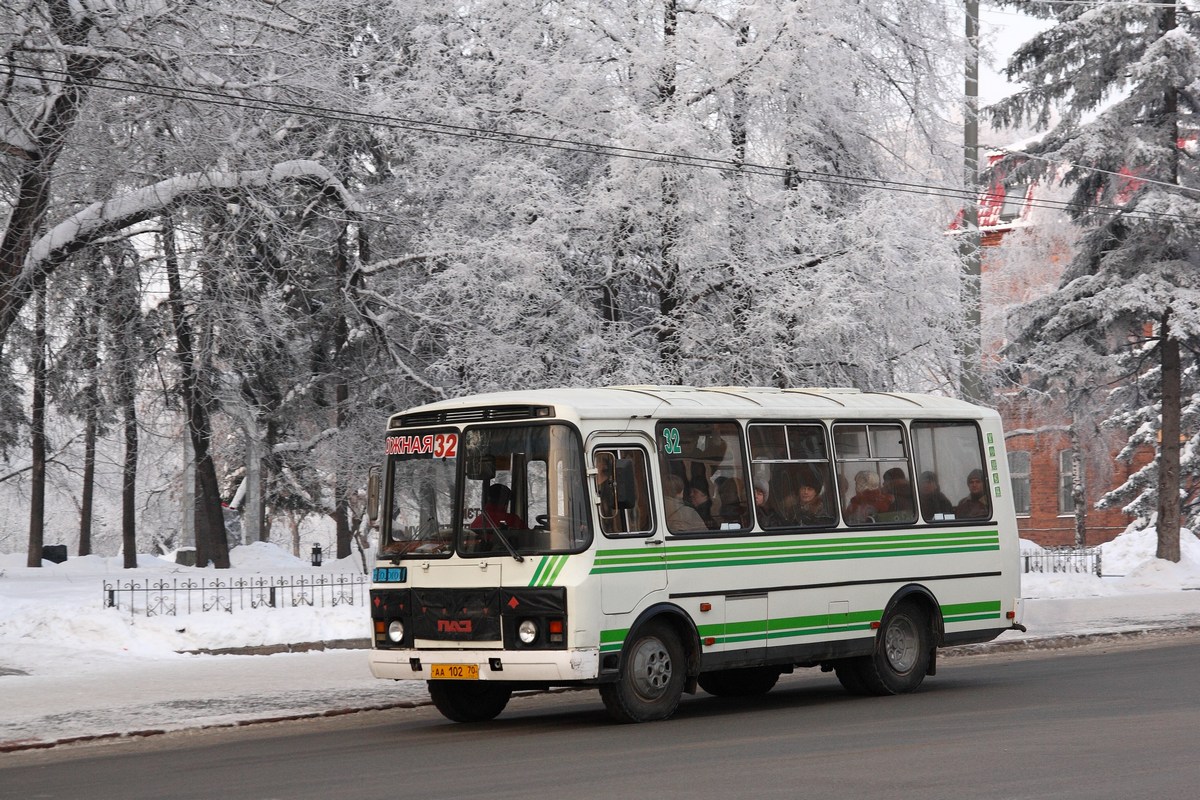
{"points": [[495, 514]]}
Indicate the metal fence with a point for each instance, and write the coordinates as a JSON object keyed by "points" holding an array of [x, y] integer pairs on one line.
{"points": [[174, 597], [1065, 560]]}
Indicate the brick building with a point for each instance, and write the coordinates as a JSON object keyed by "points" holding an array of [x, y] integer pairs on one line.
{"points": [[1042, 458]]}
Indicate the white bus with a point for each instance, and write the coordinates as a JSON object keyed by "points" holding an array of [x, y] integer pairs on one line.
{"points": [[650, 540]]}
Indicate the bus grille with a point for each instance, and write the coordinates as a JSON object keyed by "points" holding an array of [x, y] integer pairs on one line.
{"points": [[456, 615], [461, 415]]}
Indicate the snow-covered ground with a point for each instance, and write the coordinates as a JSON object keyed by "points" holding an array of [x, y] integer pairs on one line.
{"points": [[70, 667]]}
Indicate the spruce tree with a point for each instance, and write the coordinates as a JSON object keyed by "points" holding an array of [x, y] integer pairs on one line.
{"points": [[1121, 78]]}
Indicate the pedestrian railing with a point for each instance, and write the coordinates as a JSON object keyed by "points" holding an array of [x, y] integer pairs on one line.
{"points": [[1073, 560], [172, 597]]}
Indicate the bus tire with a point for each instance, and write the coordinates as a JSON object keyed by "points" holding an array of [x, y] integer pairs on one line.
{"points": [[652, 676], [849, 674], [469, 701], [902, 651], [746, 682]]}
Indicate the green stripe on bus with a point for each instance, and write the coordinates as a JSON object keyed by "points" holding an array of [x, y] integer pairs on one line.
{"points": [[742, 561], [681, 559], [538, 572], [612, 640], [970, 618], [555, 571], [768, 544], [684, 553], [758, 630], [758, 552], [971, 608]]}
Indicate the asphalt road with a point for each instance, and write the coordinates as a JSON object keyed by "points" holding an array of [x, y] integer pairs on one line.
{"points": [[1103, 721]]}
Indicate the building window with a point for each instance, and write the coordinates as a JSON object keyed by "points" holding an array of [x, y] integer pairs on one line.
{"points": [[1066, 482], [1014, 202], [1018, 471]]}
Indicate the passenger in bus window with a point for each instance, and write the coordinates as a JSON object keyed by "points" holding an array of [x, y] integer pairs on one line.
{"points": [[767, 517], [698, 499], [869, 500], [810, 508], [732, 510], [934, 504], [680, 516], [896, 485], [975, 505]]}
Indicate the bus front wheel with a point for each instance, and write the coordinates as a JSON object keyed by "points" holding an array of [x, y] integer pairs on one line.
{"points": [[652, 677], [461, 701]]}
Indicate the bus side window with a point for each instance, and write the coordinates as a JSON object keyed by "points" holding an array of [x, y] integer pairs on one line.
{"points": [[872, 458], [622, 491], [949, 455], [792, 476]]}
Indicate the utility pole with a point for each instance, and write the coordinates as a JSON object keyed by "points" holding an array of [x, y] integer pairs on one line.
{"points": [[971, 367]]}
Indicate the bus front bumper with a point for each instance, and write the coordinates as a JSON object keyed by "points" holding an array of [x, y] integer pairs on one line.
{"points": [[532, 666]]}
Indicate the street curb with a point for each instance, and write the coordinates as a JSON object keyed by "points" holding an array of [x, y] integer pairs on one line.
{"points": [[1058, 642], [287, 647], [1064, 641]]}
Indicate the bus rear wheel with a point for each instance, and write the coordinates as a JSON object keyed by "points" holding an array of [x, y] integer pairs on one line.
{"points": [[900, 658], [461, 701], [653, 672], [746, 682]]}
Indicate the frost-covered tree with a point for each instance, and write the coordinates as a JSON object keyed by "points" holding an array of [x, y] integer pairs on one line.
{"points": [[109, 102], [1123, 77], [550, 265]]}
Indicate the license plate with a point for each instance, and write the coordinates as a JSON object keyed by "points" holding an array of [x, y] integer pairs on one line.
{"points": [[454, 672]]}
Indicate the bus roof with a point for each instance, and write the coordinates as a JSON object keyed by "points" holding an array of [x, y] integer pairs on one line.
{"points": [[724, 401]]}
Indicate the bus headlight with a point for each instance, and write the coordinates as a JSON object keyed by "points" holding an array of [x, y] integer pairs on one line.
{"points": [[395, 630], [527, 631]]}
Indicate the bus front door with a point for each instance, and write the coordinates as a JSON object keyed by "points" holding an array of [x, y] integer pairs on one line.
{"points": [[631, 550]]}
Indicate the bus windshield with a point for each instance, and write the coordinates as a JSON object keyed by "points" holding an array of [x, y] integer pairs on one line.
{"points": [[502, 490]]}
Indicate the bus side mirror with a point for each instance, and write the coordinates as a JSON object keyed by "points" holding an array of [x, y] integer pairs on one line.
{"points": [[626, 483], [373, 494]]}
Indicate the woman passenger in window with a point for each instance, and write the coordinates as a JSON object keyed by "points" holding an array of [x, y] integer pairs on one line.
{"points": [[975, 505], [810, 510], [868, 499], [767, 517]]}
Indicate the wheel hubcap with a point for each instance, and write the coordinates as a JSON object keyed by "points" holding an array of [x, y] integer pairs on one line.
{"points": [[651, 668], [900, 644]]}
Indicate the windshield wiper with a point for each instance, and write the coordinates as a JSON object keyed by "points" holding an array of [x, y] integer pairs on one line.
{"points": [[512, 551]]}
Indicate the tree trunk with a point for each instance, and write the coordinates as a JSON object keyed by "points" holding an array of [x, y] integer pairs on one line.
{"points": [[49, 135], [211, 542], [341, 394], [1168, 454], [87, 493], [127, 308], [668, 333], [253, 517], [37, 432], [129, 476], [1078, 496]]}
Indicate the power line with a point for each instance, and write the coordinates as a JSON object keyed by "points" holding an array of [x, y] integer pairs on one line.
{"points": [[215, 97]]}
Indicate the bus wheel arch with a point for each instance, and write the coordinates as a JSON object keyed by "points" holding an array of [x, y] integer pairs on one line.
{"points": [[904, 649], [659, 662], [921, 596]]}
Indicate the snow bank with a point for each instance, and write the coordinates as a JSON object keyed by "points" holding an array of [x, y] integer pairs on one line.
{"points": [[64, 604]]}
